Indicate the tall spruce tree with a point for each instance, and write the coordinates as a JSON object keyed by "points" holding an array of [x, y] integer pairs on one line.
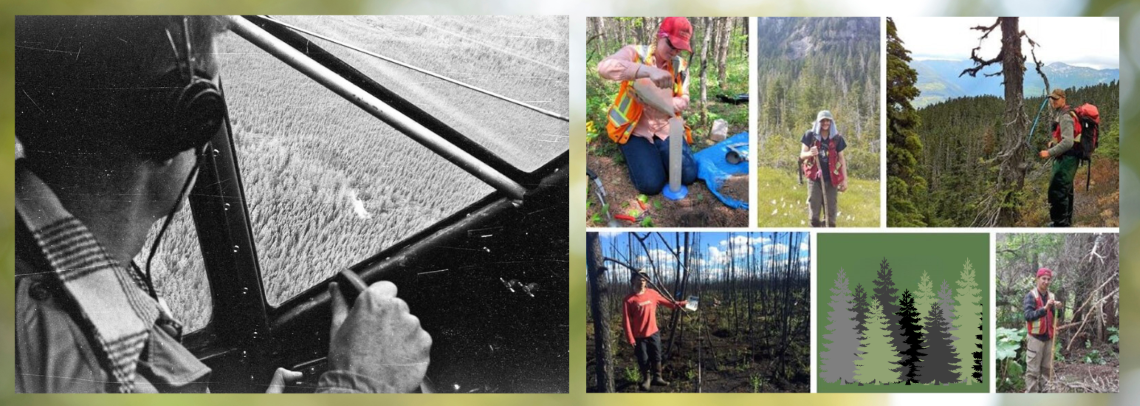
{"points": [[966, 310], [905, 186], [861, 309], [924, 297], [913, 341], [880, 359], [838, 362], [885, 292], [939, 361]]}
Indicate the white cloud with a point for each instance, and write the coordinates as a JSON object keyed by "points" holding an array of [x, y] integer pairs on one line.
{"points": [[1082, 41]]}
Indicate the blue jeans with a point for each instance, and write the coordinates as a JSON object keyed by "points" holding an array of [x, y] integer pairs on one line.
{"points": [[648, 164]]}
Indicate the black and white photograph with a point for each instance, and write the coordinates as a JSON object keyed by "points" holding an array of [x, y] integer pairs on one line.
{"points": [[293, 204]]}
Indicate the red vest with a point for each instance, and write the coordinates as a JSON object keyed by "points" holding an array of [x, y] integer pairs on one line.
{"points": [[812, 172], [1043, 325]]}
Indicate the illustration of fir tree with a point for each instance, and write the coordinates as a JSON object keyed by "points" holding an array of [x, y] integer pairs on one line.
{"points": [[912, 350], [885, 292], [838, 362], [924, 297], [946, 306], [939, 361], [978, 354], [880, 358], [861, 308], [966, 311]]}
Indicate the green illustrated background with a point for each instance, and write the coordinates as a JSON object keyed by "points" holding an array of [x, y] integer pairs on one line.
{"points": [[1129, 12], [942, 256]]}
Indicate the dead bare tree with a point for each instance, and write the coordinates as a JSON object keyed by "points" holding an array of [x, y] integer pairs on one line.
{"points": [[1000, 207]]}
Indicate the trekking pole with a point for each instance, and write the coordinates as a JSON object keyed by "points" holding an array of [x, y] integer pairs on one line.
{"points": [[1034, 128]]}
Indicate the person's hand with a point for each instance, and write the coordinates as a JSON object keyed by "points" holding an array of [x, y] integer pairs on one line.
{"points": [[378, 338], [1044, 154], [1050, 304], [813, 152], [842, 187], [282, 377], [660, 77]]}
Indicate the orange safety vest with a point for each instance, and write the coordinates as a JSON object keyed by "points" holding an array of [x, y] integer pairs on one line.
{"points": [[626, 111], [1043, 325]]}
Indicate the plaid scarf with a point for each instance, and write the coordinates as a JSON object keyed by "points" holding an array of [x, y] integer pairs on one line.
{"points": [[115, 310]]}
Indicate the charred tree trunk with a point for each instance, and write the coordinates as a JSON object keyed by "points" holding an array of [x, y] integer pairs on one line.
{"points": [[602, 351]]}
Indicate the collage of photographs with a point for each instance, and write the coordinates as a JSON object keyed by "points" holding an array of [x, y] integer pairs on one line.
{"points": [[852, 205], [378, 204]]}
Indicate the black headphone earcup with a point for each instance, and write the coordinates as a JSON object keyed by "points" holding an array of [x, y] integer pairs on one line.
{"points": [[198, 114]]}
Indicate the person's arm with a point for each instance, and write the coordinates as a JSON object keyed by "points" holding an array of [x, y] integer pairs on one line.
{"points": [[376, 346], [1066, 143], [1029, 304], [625, 320], [807, 152], [623, 66], [842, 164], [681, 103]]}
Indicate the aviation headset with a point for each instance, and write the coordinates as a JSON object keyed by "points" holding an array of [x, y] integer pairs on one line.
{"points": [[72, 104], [194, 112]]}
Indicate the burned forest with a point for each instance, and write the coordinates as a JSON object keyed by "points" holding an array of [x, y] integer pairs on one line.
{"points": [[735, 313]]}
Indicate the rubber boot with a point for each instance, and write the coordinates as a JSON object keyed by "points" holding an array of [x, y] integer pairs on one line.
{"points": [[657, 380], [648, 380]]}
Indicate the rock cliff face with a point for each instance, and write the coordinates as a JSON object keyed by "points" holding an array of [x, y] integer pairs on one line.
{"points": [[797, 38]]}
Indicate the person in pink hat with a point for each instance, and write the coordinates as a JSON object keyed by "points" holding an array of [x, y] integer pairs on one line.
{"points": [[642, 131], [1039, 305]]}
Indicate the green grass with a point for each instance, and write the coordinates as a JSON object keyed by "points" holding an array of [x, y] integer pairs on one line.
{"points": [[783, 201]]}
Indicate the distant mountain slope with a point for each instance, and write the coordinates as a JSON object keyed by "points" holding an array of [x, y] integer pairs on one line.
{"points": [[938, 79]]}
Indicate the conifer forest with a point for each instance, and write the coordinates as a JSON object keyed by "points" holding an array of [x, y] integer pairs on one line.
{"points": [[1086, 280], [973, 161], [903, 313], [748, 330]]}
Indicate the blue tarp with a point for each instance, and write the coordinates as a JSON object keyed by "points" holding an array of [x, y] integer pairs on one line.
{"points": [[714, 169]]}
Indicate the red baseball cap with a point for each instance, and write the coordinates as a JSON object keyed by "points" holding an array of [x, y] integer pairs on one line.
{"points": [[678, 30], [1044, 271]]}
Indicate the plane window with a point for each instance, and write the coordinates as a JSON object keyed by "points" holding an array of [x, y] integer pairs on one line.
{"points": [[519, 57], [327, 185]]}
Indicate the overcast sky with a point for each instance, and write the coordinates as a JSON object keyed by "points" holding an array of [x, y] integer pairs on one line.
{"points": [[1083, 41]]}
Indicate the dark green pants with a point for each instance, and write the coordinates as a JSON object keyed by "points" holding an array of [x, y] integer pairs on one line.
{"points": [[1061, 190]]}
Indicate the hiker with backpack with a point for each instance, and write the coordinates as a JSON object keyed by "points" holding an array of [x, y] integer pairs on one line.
{"points": [[1067, 150], [823, 149]]}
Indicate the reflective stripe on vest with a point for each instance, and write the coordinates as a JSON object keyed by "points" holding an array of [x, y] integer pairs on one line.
{"points": [[625, 112], [1044, 324]]}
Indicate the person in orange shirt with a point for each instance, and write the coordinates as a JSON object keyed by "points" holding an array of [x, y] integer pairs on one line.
{"points": [[639, 315]]}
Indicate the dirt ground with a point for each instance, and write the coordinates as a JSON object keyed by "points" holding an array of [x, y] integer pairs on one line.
{"points": [[727, 367], [700, 209], [1075, 376]]}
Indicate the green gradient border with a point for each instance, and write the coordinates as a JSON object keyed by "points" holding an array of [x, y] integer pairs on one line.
{"points": [[1130, 16]]}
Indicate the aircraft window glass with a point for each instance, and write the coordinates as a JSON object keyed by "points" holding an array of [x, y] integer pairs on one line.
{"points": [[178, 272], [326, 184], [520, 57]]}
